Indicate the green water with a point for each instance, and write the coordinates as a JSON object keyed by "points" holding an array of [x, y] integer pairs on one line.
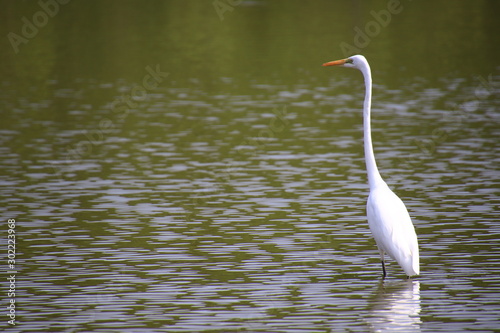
{"points": [[180, 166]]}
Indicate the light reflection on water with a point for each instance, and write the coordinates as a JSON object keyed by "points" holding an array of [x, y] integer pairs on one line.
{"points": [[199, 213]]}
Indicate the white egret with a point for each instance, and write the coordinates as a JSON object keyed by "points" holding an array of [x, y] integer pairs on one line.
{"points": [[388, 217]]}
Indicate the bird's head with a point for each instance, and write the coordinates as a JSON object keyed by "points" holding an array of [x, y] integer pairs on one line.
{"points": [[356, 61]]}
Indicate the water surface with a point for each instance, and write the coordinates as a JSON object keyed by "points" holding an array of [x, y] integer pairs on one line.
{"points": [[228, 192]]}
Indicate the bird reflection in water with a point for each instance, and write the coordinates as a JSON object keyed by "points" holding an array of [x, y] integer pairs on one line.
{"points": [[395, 307]]}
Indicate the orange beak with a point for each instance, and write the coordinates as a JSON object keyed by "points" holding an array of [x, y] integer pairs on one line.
{"points": [[335, 63]]}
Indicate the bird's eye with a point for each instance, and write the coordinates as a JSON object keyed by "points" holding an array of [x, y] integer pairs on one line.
{"points": [[349, 61]]}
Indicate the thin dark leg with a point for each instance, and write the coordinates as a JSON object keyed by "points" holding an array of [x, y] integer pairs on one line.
{"points": [[383, 269]]}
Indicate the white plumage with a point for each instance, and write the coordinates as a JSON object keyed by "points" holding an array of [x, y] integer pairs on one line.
{"points": [[388, 217], [392, 228]]}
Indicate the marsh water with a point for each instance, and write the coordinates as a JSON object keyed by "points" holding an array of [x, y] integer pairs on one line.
{"points": [[189, 166]]}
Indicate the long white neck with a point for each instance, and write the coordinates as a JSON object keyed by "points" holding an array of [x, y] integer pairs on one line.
{"points": [[374, 177]]}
